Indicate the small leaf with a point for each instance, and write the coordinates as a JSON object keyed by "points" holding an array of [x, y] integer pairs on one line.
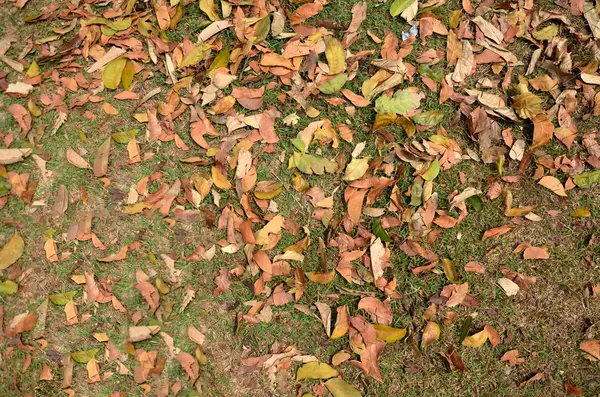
{"points": [[433, 171], [124, 137], [464, 329], [431, 333], [62, 298], [316, 370], [84, 356], [340, 388], [266, 190], [476, 340], [449, 270], [220, 61], [388, 334], [333, 85], [432, 117], [8, 287], [380, 232], [113, 72], [12, 251], [101, 159]]}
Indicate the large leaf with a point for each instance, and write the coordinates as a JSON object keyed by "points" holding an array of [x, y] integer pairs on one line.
{"points": [[431, 117], [62, 298], [11, 251], [127, 75], [402, 102], [113, 72], [356, 169], [220, 61], [587, 179]]}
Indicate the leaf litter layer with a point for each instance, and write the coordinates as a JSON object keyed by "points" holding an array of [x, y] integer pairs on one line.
{"points": [[182, 182]]}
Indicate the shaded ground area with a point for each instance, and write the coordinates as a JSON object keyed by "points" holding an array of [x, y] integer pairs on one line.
{"points": [[168, 227]]}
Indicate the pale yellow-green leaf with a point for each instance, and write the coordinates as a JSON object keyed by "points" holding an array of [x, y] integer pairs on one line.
{"points": [[356, 169], [111, 75], [195, 56], [11, 251], [340, 388], [316, 370], [208, 6], [127, 75]]}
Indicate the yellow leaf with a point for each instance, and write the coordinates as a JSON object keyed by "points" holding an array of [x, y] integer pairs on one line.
{"points": [[127, 75], [220, 180], [389, 334], [208, 6], [272, 227], [335, 54], [33, 70], [11, 251], [476, 340], [527, 105], [316, 370], [112, 73], [356, 169]]}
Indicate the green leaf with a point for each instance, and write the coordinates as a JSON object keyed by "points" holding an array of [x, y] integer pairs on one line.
{"points": [[464, 329], [431, 117], [120, 25], [111, 75], [84, 356], [400, 5], [380, 232], [340, 388], [262, 29], [62, 298], [316, 370], [299, 144], [195, 56], [125, 136], [107, 31], [127, 75], [476, 202], [220, 61], [402, 102], [5, 187], [433, 171], [333, 85], [8, 287], [546, 33], [310, 164], [587, 179], [388, 334], [427, 71], [449, 270]]}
